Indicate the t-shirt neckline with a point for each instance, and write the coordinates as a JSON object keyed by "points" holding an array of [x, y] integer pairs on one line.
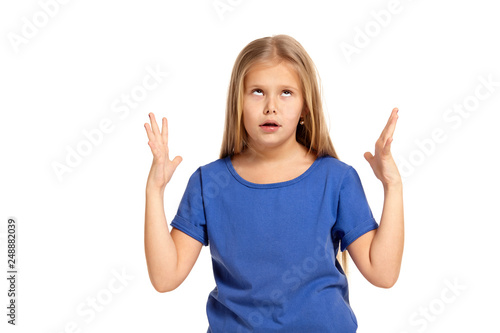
{"points": [[245, 182]]}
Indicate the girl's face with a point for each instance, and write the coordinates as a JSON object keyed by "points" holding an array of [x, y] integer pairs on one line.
{"points": [[272, 92]]}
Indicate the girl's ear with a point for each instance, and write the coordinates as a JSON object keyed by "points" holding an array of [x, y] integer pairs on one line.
{"points": [[305, 111]]}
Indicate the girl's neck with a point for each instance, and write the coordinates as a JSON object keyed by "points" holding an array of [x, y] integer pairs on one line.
{"points": [[277, 155]]}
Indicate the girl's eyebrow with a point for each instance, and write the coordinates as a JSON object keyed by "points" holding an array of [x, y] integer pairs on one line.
{"points": [[283, 87]]}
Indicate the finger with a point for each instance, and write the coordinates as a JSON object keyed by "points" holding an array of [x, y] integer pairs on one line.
{"points": [[391, 124], [149, 128], [154, 125], [152, 139], [387, 146], [391, 120], [368, 156], [153, 147], [164, 131], [150, 134], [177, 160]]}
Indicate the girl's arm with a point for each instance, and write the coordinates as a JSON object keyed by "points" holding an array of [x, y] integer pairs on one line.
{"points": [[170, 256], [378, 253]]}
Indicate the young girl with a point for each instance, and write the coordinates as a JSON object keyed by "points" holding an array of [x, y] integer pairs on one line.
{"points": [[276, 207]]}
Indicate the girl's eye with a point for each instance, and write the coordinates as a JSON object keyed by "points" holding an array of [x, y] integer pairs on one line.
{"points": [[287, 93], [257, 92]]}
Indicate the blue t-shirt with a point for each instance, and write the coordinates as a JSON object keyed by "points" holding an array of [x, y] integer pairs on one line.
{"points": [[274, 246]]}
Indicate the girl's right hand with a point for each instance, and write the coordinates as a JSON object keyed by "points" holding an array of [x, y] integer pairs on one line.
{"points": [[162, 167]]}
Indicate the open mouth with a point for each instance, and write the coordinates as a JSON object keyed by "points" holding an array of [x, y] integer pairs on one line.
{"points": [[270, 126], [270, 123]]}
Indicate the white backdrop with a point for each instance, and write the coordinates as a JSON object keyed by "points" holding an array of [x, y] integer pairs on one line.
{"points": [[71, 70]]}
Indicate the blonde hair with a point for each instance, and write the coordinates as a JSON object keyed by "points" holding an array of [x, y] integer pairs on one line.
{"points": [[313, 134]]}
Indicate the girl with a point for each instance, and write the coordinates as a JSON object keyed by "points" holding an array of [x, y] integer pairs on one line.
{"points": [[276, 207]]}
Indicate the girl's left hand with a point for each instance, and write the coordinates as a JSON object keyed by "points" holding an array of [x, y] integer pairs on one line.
{"points": [[382, 163]]}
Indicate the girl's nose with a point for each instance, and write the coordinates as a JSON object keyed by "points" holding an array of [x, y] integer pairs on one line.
{"points": [[270, 106]]}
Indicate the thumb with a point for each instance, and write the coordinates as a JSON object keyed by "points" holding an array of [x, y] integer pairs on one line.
{"points": [[177, 160], [368, 157]]}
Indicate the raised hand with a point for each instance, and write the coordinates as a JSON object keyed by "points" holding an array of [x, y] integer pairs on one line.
{"points": [[382, 163], [162, 167]]}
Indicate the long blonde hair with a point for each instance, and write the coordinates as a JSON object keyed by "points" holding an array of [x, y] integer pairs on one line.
{"points": [[313, 134]]}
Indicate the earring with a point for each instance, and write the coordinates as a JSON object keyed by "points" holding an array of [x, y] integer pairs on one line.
{"points": [[301, 121]]}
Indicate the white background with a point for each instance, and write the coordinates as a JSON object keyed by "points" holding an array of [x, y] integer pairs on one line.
{"points": [[76, 232]]}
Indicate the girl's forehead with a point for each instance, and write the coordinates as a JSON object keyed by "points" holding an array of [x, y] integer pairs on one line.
{"points": [[271, 64], [272, 68]]}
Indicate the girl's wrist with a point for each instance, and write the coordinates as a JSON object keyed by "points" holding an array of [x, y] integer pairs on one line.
{"points": [[395, 185], [154, 190]]}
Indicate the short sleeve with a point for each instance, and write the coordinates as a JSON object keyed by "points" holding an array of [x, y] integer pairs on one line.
{"points": [[354, 216], [190, 217]]}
